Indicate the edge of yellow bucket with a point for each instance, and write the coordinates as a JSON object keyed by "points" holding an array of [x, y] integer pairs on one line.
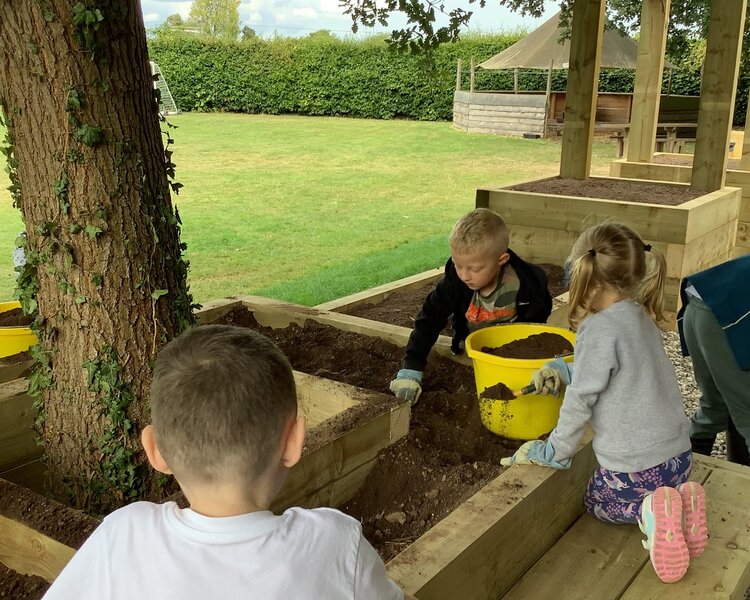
{"points": [[526, 417], [14, 338]]}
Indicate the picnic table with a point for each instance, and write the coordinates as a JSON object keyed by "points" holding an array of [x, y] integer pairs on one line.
{"points": [[670, 137]]}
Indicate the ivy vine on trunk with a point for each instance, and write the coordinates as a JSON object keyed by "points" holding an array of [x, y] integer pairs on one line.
{"points": [[105, 275]]}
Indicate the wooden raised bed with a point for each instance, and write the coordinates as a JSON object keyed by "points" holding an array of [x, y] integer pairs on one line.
{"points": [[693, 235], [681, 173], [523, 531]]}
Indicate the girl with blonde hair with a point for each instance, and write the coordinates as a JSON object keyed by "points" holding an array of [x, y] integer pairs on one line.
{"points": [[624, 385]]}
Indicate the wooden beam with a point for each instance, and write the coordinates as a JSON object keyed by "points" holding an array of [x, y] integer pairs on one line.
{"points": [[583, 83], [378, 294], [723, 570], [29, 552], [484, 546], [547, 96], [718, 87], [745, 160], [331, 474], [472, 74], [320, 399], [610, 555], [648, 75], [17, 415], [458, 75]]}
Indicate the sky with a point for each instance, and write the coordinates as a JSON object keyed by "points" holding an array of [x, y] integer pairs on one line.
{"points": [[300, 17]]}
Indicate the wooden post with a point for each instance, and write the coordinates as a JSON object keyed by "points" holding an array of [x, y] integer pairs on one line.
{"points": [[583, 83], [718, 89], [458, 76], [547, 96], [745, 162], [471, 75], [515, 80], [648, 74]]}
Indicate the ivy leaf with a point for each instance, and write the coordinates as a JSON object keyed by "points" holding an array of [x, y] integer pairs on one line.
{"points": [[156, 294], [91, 135], [92, 231], [75, 228], [80, 299]]}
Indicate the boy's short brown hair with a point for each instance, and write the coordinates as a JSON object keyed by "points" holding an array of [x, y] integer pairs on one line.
{"points": [[220, 399], [480, 228]]}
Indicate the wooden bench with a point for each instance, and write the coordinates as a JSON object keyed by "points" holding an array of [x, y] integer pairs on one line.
{"points": [[599, 561]]}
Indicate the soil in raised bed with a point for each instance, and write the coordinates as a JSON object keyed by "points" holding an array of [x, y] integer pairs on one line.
{"points": [[539, 345], [401, 307], [66, 525], [15, 318], [446, 457], [15, 586], [613, 189]]}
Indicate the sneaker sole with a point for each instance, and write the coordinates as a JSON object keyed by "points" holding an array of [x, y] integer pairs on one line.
{"points": [[669, 552], [694, 511]]}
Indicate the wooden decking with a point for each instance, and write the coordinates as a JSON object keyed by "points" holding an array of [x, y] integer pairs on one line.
{"points": [[598, 561]]}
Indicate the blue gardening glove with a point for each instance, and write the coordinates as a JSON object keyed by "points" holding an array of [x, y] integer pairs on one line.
{"points": [[407, 385], [536, 452], [549, 379]]}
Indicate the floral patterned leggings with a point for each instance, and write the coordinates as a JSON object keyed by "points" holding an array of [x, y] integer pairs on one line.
{"points": [[616, 497]]}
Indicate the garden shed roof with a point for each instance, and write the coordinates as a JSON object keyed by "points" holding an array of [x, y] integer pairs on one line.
{"points": [[542, 45]]}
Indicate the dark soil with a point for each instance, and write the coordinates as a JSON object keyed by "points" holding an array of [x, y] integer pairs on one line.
{"points": [[15, 586], [540, 345], [15, 318], [446, 457], [401, 307], [499, 391], [613, 189], [66, 525], [15, 366]]}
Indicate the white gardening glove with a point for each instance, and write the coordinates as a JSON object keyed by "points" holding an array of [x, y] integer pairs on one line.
{"points": [[549, 379], [407, 385], [536, 452]]}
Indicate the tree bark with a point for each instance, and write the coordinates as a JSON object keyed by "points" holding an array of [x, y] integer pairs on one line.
{"points": [[102, 235]]}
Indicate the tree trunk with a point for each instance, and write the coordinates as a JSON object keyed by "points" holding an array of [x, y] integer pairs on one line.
{"points": [[90, 175]]}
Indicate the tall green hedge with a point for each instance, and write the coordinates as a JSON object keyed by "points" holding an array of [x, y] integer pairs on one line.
{"points": [[324, 75]]}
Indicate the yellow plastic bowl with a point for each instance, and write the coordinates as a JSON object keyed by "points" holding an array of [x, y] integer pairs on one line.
{"points": [[526, 417], [14, 339]]}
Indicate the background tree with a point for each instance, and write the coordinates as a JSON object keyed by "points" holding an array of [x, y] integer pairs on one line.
{"points": [[216, 18], [174, 20], [248, 33], [90, 174]]}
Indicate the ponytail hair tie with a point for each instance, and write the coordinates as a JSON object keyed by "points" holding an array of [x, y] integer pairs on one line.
{"points": [[592, 252], [647, 247]]}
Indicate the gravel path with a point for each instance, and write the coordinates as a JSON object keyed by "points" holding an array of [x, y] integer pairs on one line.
{"points": [[690, 392]]}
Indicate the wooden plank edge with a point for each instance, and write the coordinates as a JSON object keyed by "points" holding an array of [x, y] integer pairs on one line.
{"points": [[29, 552], [379, 293], [483, 547]]}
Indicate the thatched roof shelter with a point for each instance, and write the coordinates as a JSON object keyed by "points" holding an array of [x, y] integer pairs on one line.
{"points": [[542, 45]]}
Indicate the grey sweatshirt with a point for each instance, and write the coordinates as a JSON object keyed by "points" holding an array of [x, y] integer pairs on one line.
{"points": [[624, 384]]}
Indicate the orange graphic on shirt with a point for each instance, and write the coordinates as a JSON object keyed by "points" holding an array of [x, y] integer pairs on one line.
{"points": [[479, 314]]}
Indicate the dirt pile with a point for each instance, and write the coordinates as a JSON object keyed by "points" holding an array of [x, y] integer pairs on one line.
{"points": [[540, 345]]}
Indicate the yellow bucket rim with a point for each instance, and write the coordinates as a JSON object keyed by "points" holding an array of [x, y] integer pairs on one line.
{"points": [[476, 353]]}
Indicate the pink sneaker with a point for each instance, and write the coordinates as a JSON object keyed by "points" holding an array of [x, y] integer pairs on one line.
{"points": [[694, 526], [661, 521]]}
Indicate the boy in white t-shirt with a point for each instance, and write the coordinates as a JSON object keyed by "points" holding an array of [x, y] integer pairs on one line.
{"points": [[225, 424]]}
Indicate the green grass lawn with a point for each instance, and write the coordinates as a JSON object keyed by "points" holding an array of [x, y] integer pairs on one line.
{"points": [[309, 209]]}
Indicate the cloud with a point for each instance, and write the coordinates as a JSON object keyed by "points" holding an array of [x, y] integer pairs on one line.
{"points": [[301, 17]]}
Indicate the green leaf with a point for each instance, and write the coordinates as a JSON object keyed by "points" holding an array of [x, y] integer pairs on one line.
{"points": [[91, 135], [81, 299], [156, 294], [92, 231], [75, 228]]}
